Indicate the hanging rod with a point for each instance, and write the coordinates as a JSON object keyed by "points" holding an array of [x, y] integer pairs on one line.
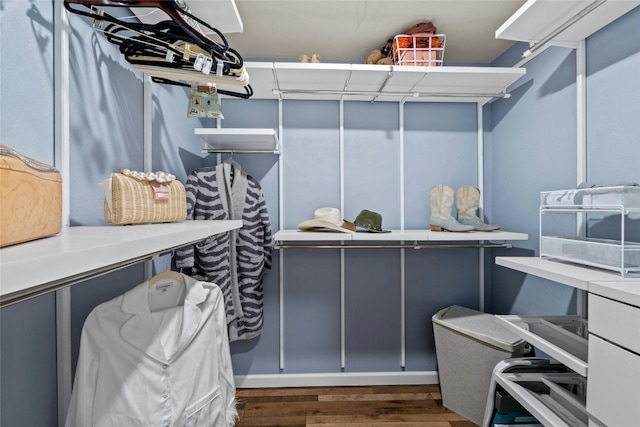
{"points": [[401, 246], [239, 151], [384, 84], [379, 93], [578, 16]]}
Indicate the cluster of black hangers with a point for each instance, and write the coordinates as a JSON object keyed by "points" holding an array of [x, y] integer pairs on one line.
{"points": [[178, 43]]}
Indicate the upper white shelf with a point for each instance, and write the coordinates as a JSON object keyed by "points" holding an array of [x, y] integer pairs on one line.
{"points": [[239, 140], [361, 82], [537, 19], [573, 275], [295, 80], [398, 235], [81, 252]]}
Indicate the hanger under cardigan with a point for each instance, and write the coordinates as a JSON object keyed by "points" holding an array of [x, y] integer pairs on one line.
{"points": [[230, 161], [235, 167]]}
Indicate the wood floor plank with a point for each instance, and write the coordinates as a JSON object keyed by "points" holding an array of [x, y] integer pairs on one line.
{"points": [[374, 396], [386, 424], [370, 406], [358, 418], [292, 391], [276, 399], [410, 388], [349, 406]]}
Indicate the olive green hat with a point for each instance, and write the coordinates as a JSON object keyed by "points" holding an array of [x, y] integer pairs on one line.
{"points": [[372, 221]]}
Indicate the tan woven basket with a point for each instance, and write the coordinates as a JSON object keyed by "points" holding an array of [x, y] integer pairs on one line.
{"points": [[132, 202], [31, 195]]}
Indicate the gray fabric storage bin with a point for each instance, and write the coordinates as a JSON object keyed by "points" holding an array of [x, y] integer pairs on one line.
{"points": [[469, 344]]}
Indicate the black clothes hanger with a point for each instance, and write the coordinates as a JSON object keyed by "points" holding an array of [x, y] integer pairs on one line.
{"points": [[140, 41], [248, 89], [176, 9], [173, 44], [161, 35]]}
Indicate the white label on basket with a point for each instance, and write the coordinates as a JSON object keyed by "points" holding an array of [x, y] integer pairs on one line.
{"points": [[160, 191]]}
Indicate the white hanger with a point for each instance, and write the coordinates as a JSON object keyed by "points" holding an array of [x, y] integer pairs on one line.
{"points": [[167, 275]]}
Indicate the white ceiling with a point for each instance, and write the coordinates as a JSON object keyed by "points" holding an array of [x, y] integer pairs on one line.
{"points": [[348, 30]]}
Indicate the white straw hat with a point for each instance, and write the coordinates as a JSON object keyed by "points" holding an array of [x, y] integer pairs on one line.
{"points": [[330, 218]]}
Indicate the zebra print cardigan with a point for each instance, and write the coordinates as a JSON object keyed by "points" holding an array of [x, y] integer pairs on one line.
{"points": [[235, 260]]}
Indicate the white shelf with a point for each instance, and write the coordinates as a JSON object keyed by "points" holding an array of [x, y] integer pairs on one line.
{"points": [[552, 335], [81, 252], [576, 276], [552, 409], [399, 235], [294, 80], [239, 140], [307, 236], [536, 19], [493, 236], [359, 82]]}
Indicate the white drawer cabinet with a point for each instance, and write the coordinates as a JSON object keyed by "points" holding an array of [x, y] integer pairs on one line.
{"points": [[613, 389], [611, 364], [613, 386], [616, 322]]}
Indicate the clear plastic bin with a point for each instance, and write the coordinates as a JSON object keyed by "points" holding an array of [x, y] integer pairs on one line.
{"points": [[601, 253], [605, 225]]}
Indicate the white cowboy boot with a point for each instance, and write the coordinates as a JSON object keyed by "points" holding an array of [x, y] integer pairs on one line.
{"points": [[441, 199], [467, 201]]}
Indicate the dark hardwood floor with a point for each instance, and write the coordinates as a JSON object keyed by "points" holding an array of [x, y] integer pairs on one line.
{"points": [[370, 406]]}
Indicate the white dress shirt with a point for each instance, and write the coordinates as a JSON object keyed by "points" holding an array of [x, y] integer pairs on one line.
{"points": [[156, 356]]}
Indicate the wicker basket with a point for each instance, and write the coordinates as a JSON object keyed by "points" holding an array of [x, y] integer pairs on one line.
{"points": [[421, 49], [31, 194], [133, 201]]}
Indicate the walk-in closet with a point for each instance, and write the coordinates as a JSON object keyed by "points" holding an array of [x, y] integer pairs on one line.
{"points": [[310, 260]]}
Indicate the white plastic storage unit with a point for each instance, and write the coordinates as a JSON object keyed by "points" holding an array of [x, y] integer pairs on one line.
{"points": [[618, 203], [469, 344]]}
